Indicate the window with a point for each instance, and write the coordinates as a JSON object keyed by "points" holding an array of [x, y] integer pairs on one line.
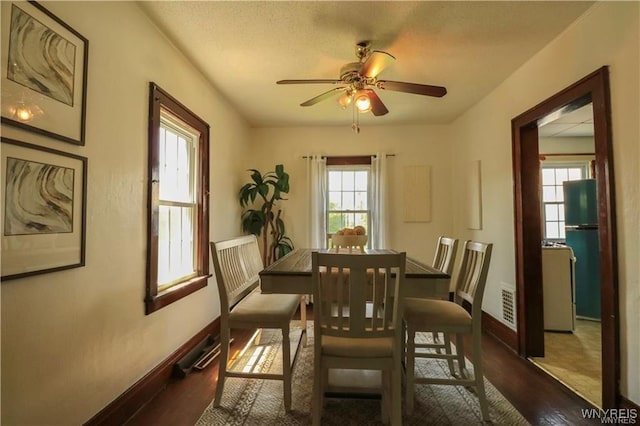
{"points": [[553, 197], [348, 191], [178, 223]]}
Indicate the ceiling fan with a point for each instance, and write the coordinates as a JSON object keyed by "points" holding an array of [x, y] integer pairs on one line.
{"points": [[358, 79]]}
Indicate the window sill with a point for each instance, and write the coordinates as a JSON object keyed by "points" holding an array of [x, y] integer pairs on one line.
{"points": [[175, 293]]}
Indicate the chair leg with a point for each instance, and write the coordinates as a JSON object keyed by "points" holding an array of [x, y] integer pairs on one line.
{"points": [[286, 367], [396, 395], [386, 400], [222, 366], [446, 341], [324, 384], [318, 391], [479, 376], [403, 347], [410, 375], [460, 352]]}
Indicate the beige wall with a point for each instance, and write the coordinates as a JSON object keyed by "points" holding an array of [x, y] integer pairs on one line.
{"points": [[412, 145], [576, 145], [73, 341], [607, 34]]}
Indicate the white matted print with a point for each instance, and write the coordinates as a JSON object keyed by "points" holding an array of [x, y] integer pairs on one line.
{"points": [[44, 203], [44, 72], [417, 193], [473, 195]]}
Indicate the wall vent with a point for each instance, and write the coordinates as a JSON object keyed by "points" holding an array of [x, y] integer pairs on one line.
{"points": [[508, 304]]}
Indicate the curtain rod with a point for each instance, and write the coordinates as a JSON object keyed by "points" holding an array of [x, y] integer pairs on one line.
{"points": [[346, 156]]}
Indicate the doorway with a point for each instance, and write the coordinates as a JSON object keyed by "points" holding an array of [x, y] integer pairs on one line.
{"points": [[570, 260], [528, 223]]}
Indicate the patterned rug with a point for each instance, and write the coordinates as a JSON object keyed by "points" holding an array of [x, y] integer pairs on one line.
{"points": [[259, 402]]}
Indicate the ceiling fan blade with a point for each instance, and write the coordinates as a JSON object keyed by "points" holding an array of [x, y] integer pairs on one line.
{"points": [[418, 89], [376, 62], [320, 81], [322, 96], [377, 107]]}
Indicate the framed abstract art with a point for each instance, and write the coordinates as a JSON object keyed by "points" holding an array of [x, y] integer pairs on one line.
{"points": [[44, 72], [43, 209]]}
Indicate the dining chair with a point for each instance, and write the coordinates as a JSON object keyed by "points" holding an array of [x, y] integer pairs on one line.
{"points": [[237, 263], [452, 318], [443, 260], [445, 256], [357, 314]]}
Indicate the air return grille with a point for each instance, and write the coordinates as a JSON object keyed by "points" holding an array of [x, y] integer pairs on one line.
{"points": [[508, 305]]}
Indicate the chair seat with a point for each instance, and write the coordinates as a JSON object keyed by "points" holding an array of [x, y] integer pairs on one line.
{"points": [[438, 315], [380, 347], [266, 310]]}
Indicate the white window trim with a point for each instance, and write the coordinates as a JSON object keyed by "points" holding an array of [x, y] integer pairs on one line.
{"points": [[550, 164]]}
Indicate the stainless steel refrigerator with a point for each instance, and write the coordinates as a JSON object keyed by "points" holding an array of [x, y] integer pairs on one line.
{"points": [[581, 228]]}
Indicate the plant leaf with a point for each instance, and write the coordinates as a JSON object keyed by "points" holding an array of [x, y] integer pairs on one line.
{"points": [[253, 193], [256, 176], [263, 188], [284, 183], [252, 221], [244, 194]]}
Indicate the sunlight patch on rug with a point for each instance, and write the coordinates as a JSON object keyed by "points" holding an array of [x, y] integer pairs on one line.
{"points": [[259, 402]]}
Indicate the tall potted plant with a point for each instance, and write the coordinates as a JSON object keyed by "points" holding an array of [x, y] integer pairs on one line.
{"points": [[265, 218]]}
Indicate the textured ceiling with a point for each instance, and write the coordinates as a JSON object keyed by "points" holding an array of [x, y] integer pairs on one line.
{"points": [[243, 48]]}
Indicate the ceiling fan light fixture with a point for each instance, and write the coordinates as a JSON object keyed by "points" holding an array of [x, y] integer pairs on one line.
{"points": [[362, 101], [345, 100], [359, 79]]}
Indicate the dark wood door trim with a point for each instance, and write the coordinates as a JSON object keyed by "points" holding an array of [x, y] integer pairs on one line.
{"points": [[528, 225]]}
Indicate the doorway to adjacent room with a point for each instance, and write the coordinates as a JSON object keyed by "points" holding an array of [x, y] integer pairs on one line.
{"points": [[529, 223]]}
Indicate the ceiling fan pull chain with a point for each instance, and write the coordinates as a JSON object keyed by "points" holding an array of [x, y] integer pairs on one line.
{"points": [[355, 126]]}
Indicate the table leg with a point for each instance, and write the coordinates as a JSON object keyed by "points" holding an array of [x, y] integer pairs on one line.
{"points": [[303, 319]]}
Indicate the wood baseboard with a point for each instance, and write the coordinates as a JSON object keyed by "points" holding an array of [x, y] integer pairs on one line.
{"points": [[126, 405], [500, 331], [629, 405]]}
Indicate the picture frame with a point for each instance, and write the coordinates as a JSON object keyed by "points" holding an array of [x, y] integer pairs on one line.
{"points": [[44, 198], [43, 72]]}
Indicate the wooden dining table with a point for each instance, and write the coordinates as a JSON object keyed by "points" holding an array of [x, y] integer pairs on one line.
{"points": [[291, 274]]}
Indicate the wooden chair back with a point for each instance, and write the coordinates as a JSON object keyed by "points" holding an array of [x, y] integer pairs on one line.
{"points": [[445, 256], [237, 263], [472, 275], [357, 295]]}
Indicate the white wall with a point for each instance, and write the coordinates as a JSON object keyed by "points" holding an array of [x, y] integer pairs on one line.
{"points": [[73, 341], [576, 145], [412, 145], [608, 34]]}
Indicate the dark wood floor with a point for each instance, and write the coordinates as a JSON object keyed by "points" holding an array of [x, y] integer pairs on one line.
{"points": [[538, 397]]}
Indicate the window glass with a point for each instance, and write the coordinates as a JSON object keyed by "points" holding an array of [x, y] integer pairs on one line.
{"points": [[178, 232], [348, 197], [361, 180], [553, 175], [176, 261]]}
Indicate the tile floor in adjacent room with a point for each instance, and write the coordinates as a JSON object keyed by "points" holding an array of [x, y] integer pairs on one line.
{"points": [[575, 359]]}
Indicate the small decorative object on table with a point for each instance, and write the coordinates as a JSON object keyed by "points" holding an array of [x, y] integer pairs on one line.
{"points": [[350, 238]]}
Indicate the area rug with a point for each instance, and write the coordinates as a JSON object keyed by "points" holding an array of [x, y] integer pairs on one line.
{"points": [[260, 402]]}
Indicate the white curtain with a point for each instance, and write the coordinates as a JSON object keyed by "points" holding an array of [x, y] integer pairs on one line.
{"points": [[317, 205], [379, 188]]}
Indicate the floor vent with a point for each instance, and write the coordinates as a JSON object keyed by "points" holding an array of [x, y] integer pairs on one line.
{"points": [[509, 305]]}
